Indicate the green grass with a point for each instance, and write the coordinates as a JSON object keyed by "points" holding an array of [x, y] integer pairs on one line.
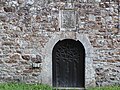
{"points": [[106, 88], [22, 86]]}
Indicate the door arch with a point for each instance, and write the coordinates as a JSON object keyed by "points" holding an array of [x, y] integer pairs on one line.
{"points": [[68, 64]]}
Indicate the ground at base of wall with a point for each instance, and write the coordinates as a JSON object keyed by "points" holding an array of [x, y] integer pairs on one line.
{"points": [[106, 88], [23, 86]]}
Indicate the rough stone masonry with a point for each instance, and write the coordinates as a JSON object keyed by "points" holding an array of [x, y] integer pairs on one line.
{"points": [[26, 26]]}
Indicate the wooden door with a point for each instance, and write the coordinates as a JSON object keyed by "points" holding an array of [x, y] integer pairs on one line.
{"points": [[68, 59]]}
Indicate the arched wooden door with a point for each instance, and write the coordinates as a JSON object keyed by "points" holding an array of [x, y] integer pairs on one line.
{"points": [[68, 64]]}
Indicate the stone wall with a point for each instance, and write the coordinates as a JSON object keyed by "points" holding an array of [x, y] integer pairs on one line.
{"points": [[27, 25]]}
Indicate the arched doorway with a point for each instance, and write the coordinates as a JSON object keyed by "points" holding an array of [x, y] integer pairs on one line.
{"points": [[68, 64]]}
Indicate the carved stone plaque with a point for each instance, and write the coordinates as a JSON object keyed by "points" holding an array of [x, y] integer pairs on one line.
{"points": [[68, 18]]}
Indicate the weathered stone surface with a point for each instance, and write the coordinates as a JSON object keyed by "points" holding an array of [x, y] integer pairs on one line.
{"points": [[26, 27], [26, 57], [68, 19], [36, 59], [7, 43], [15, 56], [28, 71], [11, 61], [20, 1], [23, 62], [9, 9], [1, 62], [39, 60], [107, 75]]}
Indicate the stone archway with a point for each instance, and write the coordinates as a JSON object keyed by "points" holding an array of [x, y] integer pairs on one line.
{"points": [[46, 73]]}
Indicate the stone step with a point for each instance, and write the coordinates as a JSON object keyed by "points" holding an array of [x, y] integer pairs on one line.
{"points": [[68, 88]]}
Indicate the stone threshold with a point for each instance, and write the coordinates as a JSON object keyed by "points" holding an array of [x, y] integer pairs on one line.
{"points": [[68, 88]]}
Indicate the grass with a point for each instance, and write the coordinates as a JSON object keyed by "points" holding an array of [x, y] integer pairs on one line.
{"points": [[22, 86], [106, 88]]}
